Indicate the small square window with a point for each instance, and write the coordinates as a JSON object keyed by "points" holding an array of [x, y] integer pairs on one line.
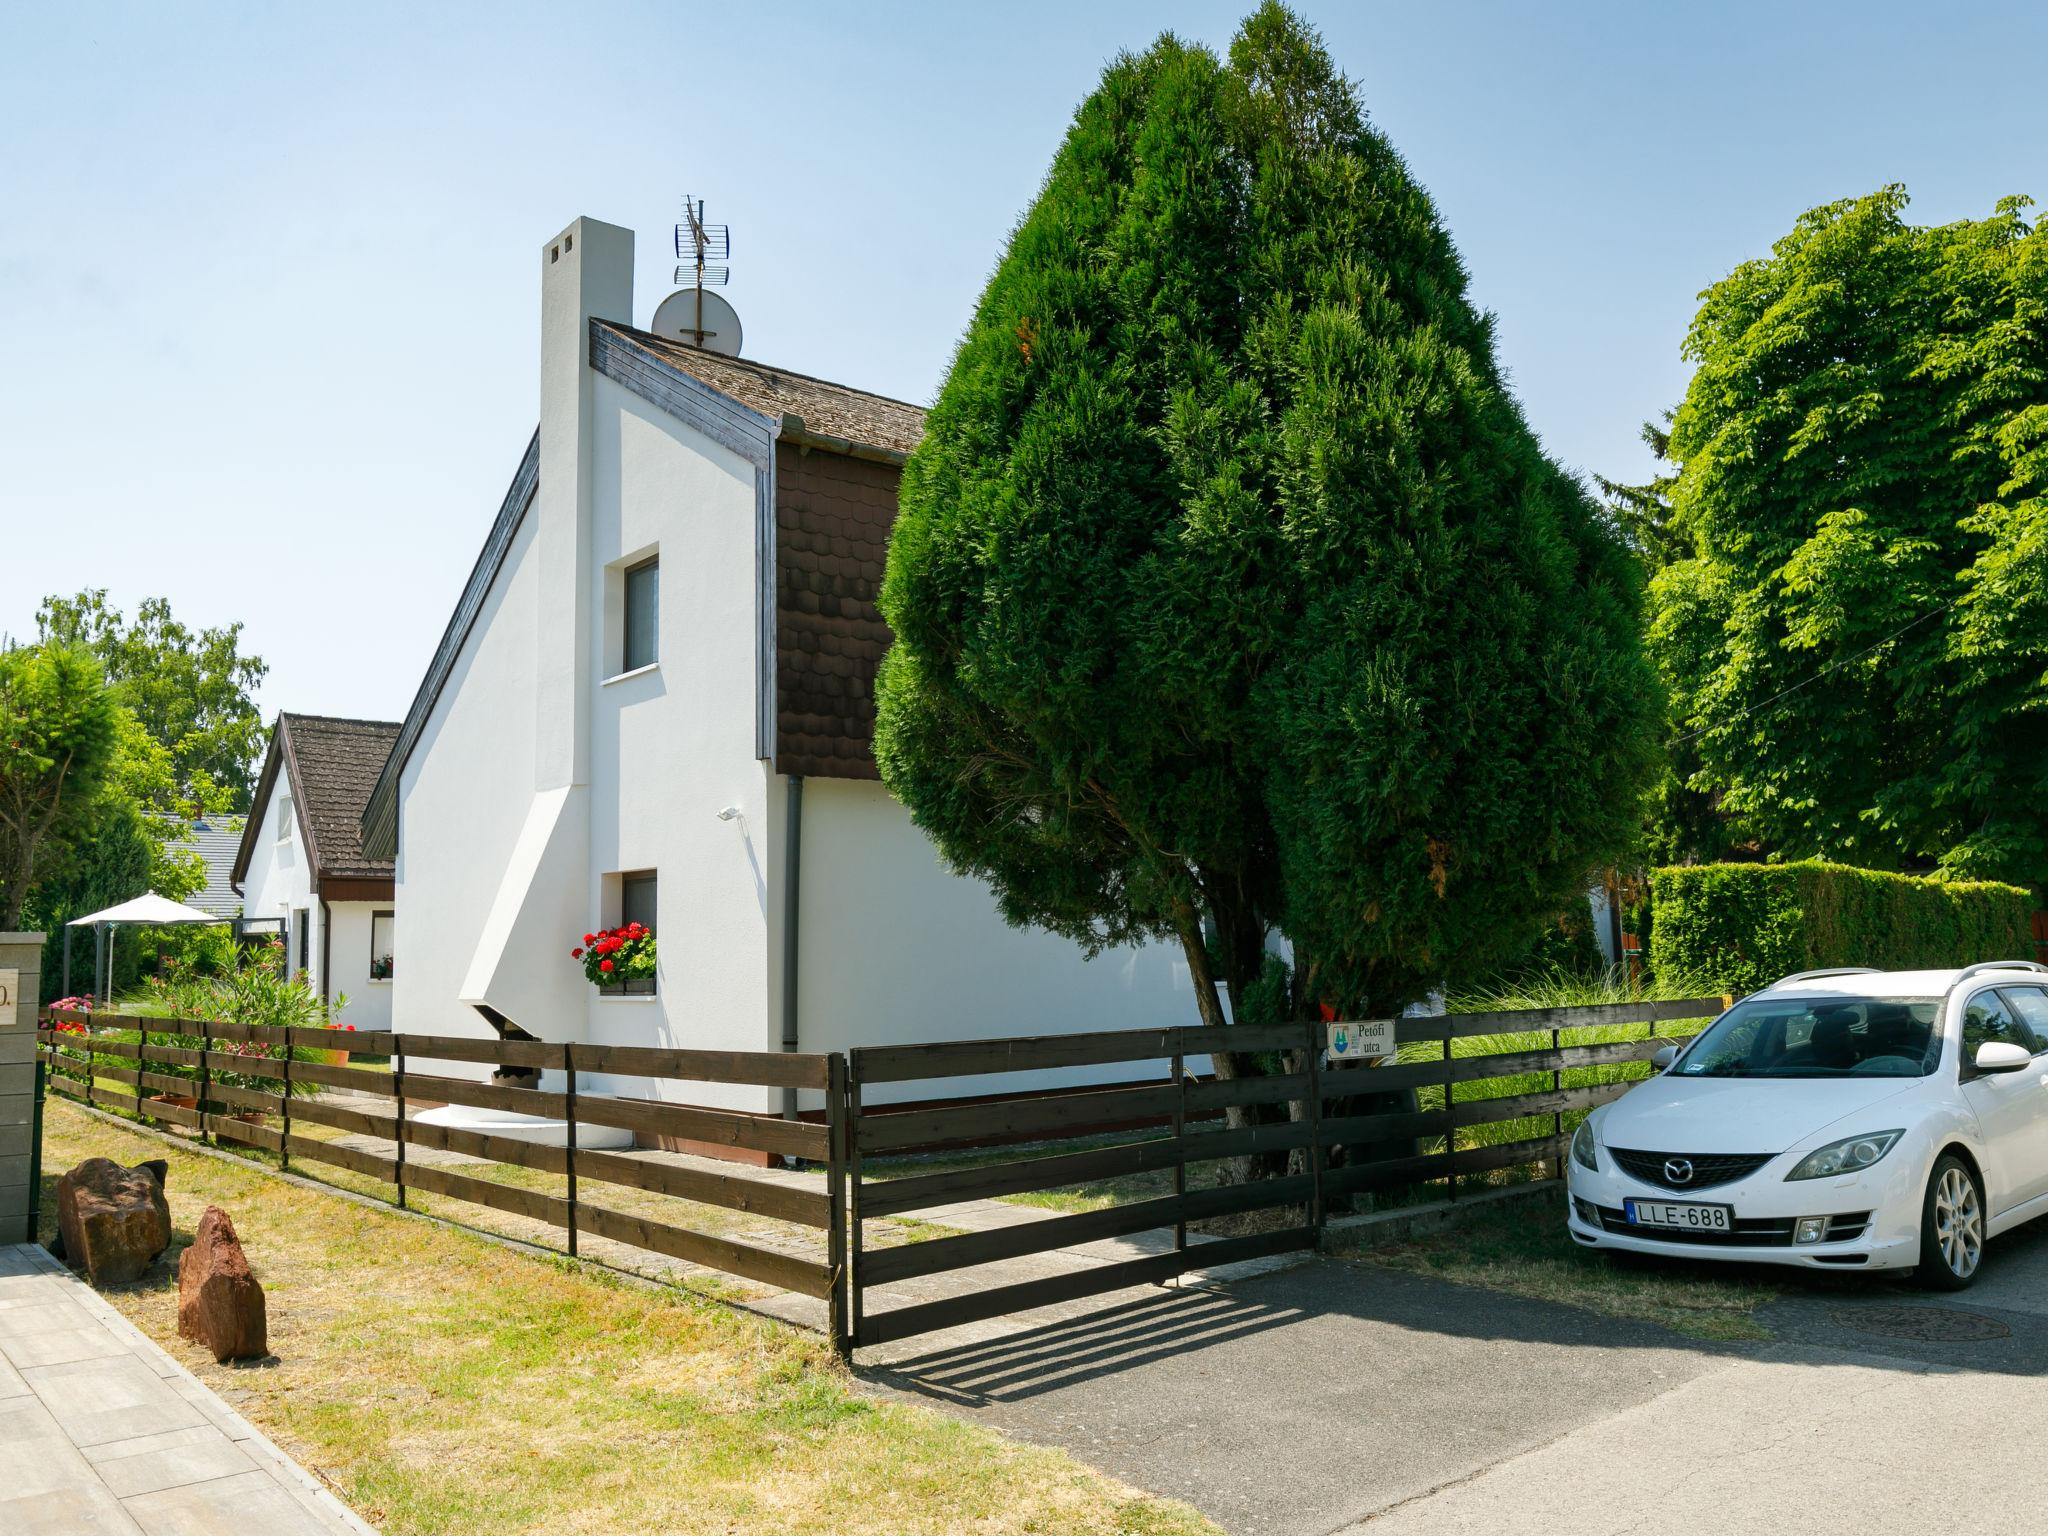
{"points": [[642, 627]]}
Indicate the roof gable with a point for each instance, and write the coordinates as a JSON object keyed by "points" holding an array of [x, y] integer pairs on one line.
{"points": [[331, 765]]}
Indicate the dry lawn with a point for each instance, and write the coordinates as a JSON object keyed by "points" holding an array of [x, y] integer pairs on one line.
{"points": [[443, 1383], [1523, 1250]]}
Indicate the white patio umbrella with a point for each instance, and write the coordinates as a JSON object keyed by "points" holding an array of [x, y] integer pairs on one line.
{"points": [[148, 910]]}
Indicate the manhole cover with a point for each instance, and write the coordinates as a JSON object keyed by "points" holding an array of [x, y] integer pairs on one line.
{"points": [[1929, 1325]]}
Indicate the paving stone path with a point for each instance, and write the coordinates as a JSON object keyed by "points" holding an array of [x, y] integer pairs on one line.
{"points": [[103, 1434]]}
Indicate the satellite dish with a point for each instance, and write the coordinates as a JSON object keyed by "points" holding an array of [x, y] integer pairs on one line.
{"points": [[680, 319]]}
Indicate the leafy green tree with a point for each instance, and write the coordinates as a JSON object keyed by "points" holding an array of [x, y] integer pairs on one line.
{"points": [[1232, 595], [191, 692], [59, 733], [1853, 639]]}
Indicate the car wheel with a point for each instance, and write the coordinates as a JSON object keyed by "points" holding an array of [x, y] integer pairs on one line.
{"points": [[1951, 1226]]}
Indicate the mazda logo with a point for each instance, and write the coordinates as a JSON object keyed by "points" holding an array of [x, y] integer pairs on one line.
{"points": [[1677, 1170]]}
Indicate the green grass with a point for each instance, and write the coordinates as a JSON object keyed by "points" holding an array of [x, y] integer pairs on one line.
{"points": [[444, 1384], [1522, 1249]]}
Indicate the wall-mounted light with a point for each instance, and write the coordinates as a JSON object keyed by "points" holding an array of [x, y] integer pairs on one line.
{"points": [[730, 813]]}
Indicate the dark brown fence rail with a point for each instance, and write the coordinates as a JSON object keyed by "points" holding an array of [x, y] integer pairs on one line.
{"points": [[91, 1060], [1168, 1105], [1470, 1096]]}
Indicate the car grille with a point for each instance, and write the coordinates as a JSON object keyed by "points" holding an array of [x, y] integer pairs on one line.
{"points": [[1708, 1168]]}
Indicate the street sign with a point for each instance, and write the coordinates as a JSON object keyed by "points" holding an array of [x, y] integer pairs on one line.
{"points": [[1360, 1040]]}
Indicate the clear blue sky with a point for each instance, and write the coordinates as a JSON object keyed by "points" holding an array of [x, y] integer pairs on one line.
{"points": [[268, 274]]}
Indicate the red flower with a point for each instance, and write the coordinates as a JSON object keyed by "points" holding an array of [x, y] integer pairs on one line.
{"points": [[575, 954], [348, 1027], [590, 938], [604, 965]]}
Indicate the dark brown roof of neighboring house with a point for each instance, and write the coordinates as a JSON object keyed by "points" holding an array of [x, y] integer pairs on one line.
{"points": [[829, 415], [331, 765]]}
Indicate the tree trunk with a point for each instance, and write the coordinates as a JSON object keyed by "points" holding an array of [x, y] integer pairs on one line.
{"points": [[1188, 924]]}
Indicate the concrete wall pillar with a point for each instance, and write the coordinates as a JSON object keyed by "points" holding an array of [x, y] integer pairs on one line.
{"points": [[21, 965]]}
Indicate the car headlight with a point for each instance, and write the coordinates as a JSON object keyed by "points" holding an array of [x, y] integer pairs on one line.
{"points": [[1582, 1147], [1852, 1154]]}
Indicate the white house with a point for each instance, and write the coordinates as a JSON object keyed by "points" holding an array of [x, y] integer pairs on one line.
{"points": [[655, 700], [301, 861]]}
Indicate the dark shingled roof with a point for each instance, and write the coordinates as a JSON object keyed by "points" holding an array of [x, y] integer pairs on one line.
{"points": [[823, 411], [332, 766], [833, 514]]}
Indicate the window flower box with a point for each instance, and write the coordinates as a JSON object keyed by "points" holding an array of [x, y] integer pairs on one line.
{"points": [[614, 957]]}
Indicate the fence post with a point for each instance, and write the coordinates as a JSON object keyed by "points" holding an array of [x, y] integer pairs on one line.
{"points": [[1557, 1086], [856, 1303], [1315, 1127], [836, 1138], [141, 1065], [1180, 1143], [88, 1061], [205, 1073], [398, 1098], [284, 1140], [1450, 1119], [569, 1139]]}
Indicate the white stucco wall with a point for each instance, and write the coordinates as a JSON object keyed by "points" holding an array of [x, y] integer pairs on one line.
{"points": [[463, 799], [368, 1004], [278, 883], [896, 950], [673, 744]]}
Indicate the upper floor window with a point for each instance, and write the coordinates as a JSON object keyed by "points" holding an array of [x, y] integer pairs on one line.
{"points": [[642, 615], [285, 825]]}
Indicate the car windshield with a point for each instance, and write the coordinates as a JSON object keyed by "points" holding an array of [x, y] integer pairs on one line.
{"points": [[1816, 1036]]}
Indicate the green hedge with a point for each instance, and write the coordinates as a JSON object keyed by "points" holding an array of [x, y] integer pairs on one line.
{"points": [[1738, 927]]}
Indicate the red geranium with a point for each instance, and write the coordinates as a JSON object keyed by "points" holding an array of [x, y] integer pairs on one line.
{"points": [[611, 956]]}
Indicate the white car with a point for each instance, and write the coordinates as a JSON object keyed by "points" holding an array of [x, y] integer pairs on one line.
{"points": [[1845, 1119]]}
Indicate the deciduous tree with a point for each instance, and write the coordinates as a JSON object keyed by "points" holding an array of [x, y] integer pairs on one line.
{"points": [[1854, 637], [59, 732]]}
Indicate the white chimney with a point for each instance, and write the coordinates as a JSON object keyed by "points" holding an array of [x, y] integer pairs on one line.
{"points": [[586, 271]]}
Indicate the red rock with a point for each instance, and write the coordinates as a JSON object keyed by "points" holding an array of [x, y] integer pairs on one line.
{"points": [[220, 1304], [114, 1220]]}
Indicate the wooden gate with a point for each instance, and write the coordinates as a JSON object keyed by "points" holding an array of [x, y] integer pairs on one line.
{"points": [[1181, 1115]]}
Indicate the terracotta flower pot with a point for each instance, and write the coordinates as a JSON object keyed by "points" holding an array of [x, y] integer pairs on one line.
{"points": [[175, 1100]]}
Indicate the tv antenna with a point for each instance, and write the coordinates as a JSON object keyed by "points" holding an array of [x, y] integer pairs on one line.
{"points": [[691, 315]]}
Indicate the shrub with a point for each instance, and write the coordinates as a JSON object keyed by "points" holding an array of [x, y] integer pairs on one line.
{"points": [[1742, 926]]}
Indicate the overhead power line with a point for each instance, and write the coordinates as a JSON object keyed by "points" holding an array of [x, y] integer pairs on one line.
{"points": [[1692, 736]]}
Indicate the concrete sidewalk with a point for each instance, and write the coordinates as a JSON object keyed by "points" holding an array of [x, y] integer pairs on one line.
{"points": [[101, 1432]]}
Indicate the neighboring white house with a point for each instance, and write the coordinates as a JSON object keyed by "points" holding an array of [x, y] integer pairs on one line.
{"points": [[301, 861], [655, 700]]}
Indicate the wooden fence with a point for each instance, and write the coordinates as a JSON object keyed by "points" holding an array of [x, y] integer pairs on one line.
{"points": [[1470, 1096], [78, 1048]]}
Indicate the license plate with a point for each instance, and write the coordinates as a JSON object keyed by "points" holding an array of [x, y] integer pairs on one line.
{"points": [[1674, 1213]]}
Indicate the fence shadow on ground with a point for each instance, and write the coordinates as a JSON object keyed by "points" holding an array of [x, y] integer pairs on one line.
{"points": [[1072, 1351]]}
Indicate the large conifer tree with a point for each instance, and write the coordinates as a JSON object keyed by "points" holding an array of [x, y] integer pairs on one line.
{"points": [[1231, 592]]}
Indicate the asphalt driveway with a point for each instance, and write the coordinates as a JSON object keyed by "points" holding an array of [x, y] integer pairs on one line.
{"points": [[1335, 1396]]}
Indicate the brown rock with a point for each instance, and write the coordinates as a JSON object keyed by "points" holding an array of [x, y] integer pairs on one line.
{"points": [[220, 1304], [114, 1220]]}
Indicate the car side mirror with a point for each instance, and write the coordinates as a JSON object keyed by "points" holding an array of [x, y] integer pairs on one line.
{"points": [[1663, 1056], [2002, 1056]]}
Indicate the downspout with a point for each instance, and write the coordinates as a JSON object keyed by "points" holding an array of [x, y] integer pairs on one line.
{"points": [[326, 953], [792, 902]]}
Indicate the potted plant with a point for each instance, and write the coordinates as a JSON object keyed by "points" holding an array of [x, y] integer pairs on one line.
{"points": [[612, 957]]}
